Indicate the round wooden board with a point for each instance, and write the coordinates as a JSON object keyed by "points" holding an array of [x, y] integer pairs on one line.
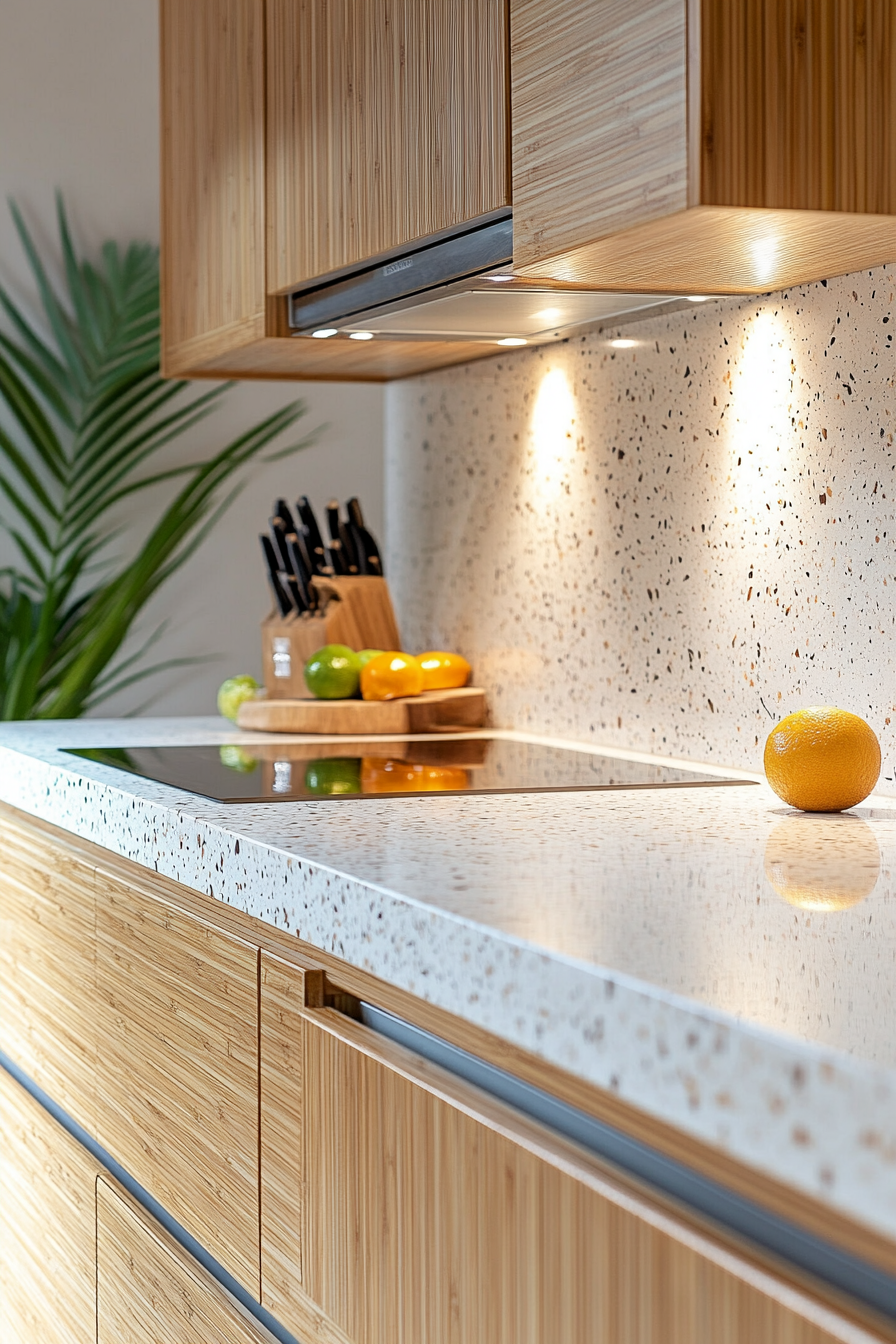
{"points": [[431, 712]]}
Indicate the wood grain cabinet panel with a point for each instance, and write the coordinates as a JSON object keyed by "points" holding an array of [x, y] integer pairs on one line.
{"points": [[150, 1292], [431, 1212], [212, 159], [47, 1005], [177, 1067], [709, 146], [387, 121], [47, 1227]]}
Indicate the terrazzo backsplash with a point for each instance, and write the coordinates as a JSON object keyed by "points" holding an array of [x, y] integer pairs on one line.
{"points": [[664, 547]]}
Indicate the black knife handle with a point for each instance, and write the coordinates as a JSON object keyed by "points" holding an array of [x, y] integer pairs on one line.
{"points": [[301, 574], [282, 598], [281, 511], [306, 513], [353, 509]]}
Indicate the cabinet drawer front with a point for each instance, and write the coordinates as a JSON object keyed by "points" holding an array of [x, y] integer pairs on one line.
{"points": [[47, 1227], [150, 1292], [47, 1009], [177, 1067], [433, 1213]]}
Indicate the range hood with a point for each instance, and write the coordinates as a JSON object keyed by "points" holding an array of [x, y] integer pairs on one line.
{"points": [[456, 288]]}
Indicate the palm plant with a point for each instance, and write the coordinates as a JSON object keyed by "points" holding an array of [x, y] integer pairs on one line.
{"points": [[86, 410]]}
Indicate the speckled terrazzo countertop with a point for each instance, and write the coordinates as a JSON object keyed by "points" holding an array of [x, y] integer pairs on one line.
{"points": [[639, 940]]}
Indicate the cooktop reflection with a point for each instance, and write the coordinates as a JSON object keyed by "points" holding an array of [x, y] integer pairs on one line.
{"points": [[272, 772]]}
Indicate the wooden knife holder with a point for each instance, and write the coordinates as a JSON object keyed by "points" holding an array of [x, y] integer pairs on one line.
{"points": [[354, 609]]}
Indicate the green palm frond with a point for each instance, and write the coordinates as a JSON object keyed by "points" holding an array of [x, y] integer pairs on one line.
{"points": [[86, 411]]}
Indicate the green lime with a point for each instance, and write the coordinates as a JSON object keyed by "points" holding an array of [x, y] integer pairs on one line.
{"points": [[334, 774], [237, 758], [233, 692], [333, 673], [365, 656]]}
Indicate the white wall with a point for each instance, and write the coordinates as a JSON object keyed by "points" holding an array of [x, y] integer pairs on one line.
{"points": [[79, 110]]}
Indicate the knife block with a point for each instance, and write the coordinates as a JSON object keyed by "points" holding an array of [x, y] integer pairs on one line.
{"points": [[354, 609]]}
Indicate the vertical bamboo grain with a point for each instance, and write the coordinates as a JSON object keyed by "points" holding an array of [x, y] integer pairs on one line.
{"points": [[212, 160], [433, 1213], [798, 104], [47, 1227], [386, 122], [177, 1066], [285, 990]]}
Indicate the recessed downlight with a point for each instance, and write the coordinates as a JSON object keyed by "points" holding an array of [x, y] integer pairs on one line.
{"points": [[323, 333], [360, 335], [698, 298], [549, 314], [623, 343], [512, 340], [499, 279]]}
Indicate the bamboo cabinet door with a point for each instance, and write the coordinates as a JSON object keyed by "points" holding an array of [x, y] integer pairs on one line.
{"points": [[386, 121], [47, 1227], [47, 1008], [150, 1292], [428, 1213], [177, 1066]]}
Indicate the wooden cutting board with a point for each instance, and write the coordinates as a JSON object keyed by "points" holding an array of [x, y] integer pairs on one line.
{"points": [[431, 712]]}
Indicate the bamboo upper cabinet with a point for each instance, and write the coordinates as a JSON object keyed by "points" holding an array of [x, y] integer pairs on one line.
{"points": [[386, 122], [704, 146], [424, 1210], [304, 137]]}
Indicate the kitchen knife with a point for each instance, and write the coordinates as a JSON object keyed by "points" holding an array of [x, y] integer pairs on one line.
{"points": [[315, 541], [288, 574], [284, 601], [281, 510], [301, 571], [341, 539], [369, 558]]}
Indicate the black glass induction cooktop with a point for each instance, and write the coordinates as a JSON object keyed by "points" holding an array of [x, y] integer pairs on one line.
{"points": [[272, 772]]}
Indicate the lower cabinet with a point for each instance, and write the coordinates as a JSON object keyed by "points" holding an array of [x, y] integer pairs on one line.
{"points": [[430, 1212], [177, 1066], [47, 1227], [150, 1292]]}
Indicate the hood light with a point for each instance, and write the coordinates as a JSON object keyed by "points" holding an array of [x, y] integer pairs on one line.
{"points": [[360, 335], [513, 340], [323, 333]]}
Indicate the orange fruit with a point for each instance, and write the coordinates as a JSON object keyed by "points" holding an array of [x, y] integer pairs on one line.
{"points": [[822, 759], [443, 671], [391, 675], [379, 776]]}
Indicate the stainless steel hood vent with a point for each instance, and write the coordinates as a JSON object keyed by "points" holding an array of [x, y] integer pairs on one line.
{"points": [[456, 288]]}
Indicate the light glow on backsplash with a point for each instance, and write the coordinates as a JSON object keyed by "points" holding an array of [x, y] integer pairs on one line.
{"points": [[667, 547], [761, 389], [553, 430]]}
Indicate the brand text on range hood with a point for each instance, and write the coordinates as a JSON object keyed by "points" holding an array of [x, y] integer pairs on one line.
{"points": [[454, 288]]}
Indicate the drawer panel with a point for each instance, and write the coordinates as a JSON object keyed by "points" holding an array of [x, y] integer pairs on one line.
{"points": [[47, 1007], [432, 1212], [177, 1067], [47, 1227], [150, 1292]]}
